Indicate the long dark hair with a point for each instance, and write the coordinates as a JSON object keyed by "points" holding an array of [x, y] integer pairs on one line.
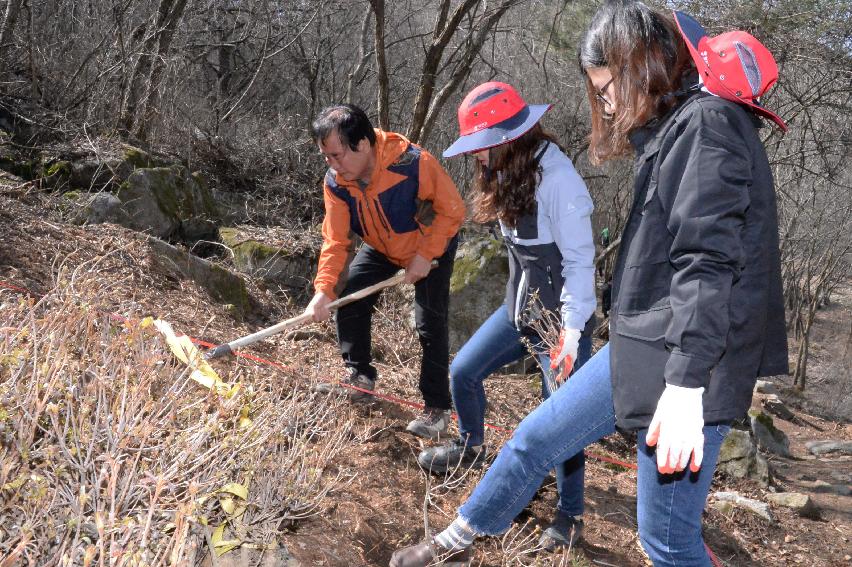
{"points": [[644, 51], [506, 190]]}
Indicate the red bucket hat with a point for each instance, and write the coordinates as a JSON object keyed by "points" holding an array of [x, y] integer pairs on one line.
{"points": [[493, 114], [733, 65]]}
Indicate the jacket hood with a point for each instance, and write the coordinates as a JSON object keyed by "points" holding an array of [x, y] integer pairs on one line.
{"points": [[552, 155], [389, 146]]}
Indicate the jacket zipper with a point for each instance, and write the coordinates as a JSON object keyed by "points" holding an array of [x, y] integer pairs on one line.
{"points": [[519, 297], [363, 219], [380, 212], [366, 202], [549, 277]]}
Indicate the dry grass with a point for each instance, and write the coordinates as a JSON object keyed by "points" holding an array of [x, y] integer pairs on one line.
{"points": [[111, 455]]}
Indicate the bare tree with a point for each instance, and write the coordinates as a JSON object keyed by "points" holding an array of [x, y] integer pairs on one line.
{"points": [[10, 17]]}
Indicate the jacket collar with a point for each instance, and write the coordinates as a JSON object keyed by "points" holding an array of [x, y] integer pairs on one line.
{"points": [[646, 140]]}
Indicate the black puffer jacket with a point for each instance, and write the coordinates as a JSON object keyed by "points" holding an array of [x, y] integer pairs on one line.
{"points": [[697, 298]]}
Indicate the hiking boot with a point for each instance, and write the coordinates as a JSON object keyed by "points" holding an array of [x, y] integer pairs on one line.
{"points": [[429, 553], [565, 531], [450, 456], [344, 387], [431, 424]]}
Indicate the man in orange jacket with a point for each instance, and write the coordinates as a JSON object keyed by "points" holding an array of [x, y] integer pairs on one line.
{"points": [[399, 200]]}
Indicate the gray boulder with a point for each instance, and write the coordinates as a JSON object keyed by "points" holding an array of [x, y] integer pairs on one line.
{"points": [[769, 438], [799, 503], [739, 458], [290, 268], [106, 172], [821, 448], [96, 208], [221, 284], [765, 387], [823, 487], [169, 202], [725, 500], [477, 286]]}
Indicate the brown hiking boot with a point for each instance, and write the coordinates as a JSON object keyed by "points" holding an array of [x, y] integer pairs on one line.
{"points": [[451, 456], [429, 553], [431, 424], [351, 387]]}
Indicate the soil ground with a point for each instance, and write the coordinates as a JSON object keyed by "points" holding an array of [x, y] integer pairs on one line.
{"points": [[382, 506]]}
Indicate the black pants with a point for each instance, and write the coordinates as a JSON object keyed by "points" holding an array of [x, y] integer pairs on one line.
{"points": [[431, 299]]}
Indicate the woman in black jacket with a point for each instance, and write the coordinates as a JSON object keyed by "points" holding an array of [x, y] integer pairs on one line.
{"points": [[697, 312]]}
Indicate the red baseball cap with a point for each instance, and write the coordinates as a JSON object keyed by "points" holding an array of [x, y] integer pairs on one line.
{"points": [[733, 65], [493, 114]]}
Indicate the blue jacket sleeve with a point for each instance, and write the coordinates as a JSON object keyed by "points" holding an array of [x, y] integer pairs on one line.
{"points": [[568, 207]]}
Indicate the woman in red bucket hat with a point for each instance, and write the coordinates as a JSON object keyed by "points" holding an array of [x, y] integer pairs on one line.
{"points": [[697, 309], [528, 185]]}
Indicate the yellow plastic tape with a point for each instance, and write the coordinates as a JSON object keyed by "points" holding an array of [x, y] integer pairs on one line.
{"points": [[188, 353]]}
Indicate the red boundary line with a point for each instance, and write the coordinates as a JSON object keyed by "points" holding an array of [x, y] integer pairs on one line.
{"points": [[393, 399]]}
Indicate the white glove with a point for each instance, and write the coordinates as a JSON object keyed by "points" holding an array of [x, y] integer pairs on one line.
{"points": [[563, 355], [677, 429]]}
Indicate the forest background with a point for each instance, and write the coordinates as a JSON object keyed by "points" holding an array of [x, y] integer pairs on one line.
{"points": [[229, 87]]}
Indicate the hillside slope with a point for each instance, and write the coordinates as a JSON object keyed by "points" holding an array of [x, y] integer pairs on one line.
{"points": [[328, 483]]}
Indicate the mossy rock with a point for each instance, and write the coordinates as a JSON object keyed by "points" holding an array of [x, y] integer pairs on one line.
{"points": [[220, 283], [739, 458], [137, 158], [56, 174], [473, 262], [58, 168], [769, 438], [93, 208], [69, 201], [271, 263], [477, 286], [169, 202], [21, 167]]}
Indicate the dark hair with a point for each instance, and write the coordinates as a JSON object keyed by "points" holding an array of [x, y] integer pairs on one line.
{"points": [[506, 191], [643, 49], [350, 122]]}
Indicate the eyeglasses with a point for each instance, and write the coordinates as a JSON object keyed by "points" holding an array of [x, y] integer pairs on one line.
{"points": [[336, 156], [601, 96]]}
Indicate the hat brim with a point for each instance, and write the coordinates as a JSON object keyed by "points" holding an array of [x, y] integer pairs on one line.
{"points": [[502, 133], [693, 33], [763, 112]]}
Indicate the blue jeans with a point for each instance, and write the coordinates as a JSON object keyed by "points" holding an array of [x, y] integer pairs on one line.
{"points": [[669, 507], [497, 343]]}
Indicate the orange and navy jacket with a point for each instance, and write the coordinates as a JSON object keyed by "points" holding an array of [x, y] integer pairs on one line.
{"points": [[411, 206]]}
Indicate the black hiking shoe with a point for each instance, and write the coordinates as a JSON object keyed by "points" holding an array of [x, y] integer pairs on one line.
{"points": [[565, 531], [350, 387], [427, 554], [431, 424], [450, 456]]}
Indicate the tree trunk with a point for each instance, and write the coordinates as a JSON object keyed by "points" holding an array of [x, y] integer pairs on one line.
{"points": [[363, 57], [175, 9], [143, 71], [462, 70], [381, 64], [443, 33], [141, 68], [10, 17]]}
